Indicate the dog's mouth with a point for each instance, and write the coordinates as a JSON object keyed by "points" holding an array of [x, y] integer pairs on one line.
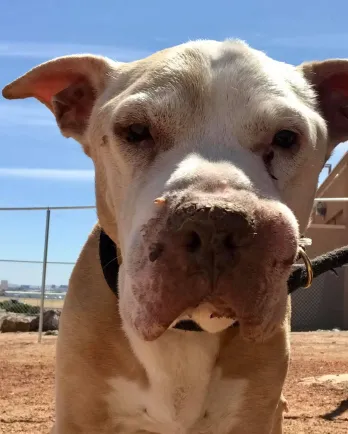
{"points": [[257, 305], [166, 298], [204, 318]]}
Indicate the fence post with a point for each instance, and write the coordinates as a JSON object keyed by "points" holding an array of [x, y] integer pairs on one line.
{"points": [[44, 266]]}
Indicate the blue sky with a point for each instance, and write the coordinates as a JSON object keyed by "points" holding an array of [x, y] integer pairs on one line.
{"points": [[38, 167]]}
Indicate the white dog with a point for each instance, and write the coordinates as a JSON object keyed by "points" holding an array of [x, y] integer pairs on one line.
{"points": [[207, 158]]}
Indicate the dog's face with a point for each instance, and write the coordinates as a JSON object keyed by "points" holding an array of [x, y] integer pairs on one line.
{"points": [[207, 157]]}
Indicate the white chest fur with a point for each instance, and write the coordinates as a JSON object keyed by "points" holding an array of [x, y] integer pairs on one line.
{"points": [[186, 394]]}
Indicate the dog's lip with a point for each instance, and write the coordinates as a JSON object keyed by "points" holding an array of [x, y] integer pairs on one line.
{"points": [[225, 307], [210, 319]]}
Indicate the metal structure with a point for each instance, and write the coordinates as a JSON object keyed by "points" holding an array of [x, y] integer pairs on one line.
{"points": [[44, 268]]}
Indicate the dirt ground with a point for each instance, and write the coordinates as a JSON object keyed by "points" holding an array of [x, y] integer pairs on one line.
{"points": [[27, 379]]}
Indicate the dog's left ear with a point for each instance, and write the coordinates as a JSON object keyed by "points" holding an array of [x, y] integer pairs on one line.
{"points": [[330, 80], [68, 86]]}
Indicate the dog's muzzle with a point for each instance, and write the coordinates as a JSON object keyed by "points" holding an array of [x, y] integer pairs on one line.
{"points": [[234, 255]]}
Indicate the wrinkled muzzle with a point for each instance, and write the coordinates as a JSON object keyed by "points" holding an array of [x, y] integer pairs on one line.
{"points": [[232, 254]]}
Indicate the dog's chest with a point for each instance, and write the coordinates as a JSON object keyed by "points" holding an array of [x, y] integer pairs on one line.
{"points": [[186, 392]]}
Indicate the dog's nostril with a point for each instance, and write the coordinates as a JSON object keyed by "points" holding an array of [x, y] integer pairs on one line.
{"points": [[156, 252], [228, 242], [193, 242]]}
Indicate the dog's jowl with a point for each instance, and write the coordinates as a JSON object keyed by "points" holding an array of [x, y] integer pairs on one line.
{"points": [[207, 157]]}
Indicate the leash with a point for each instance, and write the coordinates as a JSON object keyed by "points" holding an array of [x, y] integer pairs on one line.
{"points": [[301, 277]]}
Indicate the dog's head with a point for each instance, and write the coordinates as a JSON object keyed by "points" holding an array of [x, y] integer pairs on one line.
{"points": [[207, 158]]}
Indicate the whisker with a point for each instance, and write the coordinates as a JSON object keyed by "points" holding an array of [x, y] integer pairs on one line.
{"points": [[110, 262]]}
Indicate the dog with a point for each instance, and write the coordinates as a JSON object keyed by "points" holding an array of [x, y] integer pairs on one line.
{"points": [[207, 157]]}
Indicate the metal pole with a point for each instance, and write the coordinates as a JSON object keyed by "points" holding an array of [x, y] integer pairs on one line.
{"points": [[44, 266], [331, 199], [43, 208]]}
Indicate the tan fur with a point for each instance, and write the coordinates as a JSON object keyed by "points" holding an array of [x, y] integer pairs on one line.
{"points": [[213, 110], [91, 333]]}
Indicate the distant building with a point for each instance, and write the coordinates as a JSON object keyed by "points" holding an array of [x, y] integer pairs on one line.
{"points": [[62, 288], [329, 226], [3, 286]]}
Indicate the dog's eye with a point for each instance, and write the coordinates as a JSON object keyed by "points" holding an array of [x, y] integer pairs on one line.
{"points": [[138, 133], [285, 139]]}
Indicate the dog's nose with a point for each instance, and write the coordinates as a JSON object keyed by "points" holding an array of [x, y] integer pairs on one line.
{"points": [[211, 236]]}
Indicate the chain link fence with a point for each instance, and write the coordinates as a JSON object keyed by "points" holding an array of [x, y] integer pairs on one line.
{"points": [[322, 306], [26, 298], [21, 305], [32, 292]]}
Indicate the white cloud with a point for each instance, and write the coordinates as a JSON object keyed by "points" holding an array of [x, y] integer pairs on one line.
{"points": [[50, 174], [18, 113], [51, 50]]}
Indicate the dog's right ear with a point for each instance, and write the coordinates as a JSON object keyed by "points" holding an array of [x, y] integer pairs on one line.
{"points": [[330, 80], [68, 86]]}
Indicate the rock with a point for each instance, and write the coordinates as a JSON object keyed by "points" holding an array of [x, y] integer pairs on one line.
{"points": [[16, 322], [50, 321], [52, 333], [330, 378], [19, 322]]}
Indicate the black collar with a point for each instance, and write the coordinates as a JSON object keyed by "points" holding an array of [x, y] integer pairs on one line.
{"points": [[298, 277]]}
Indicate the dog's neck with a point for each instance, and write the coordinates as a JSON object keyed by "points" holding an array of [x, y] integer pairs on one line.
{"points": [[179, 393]]}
